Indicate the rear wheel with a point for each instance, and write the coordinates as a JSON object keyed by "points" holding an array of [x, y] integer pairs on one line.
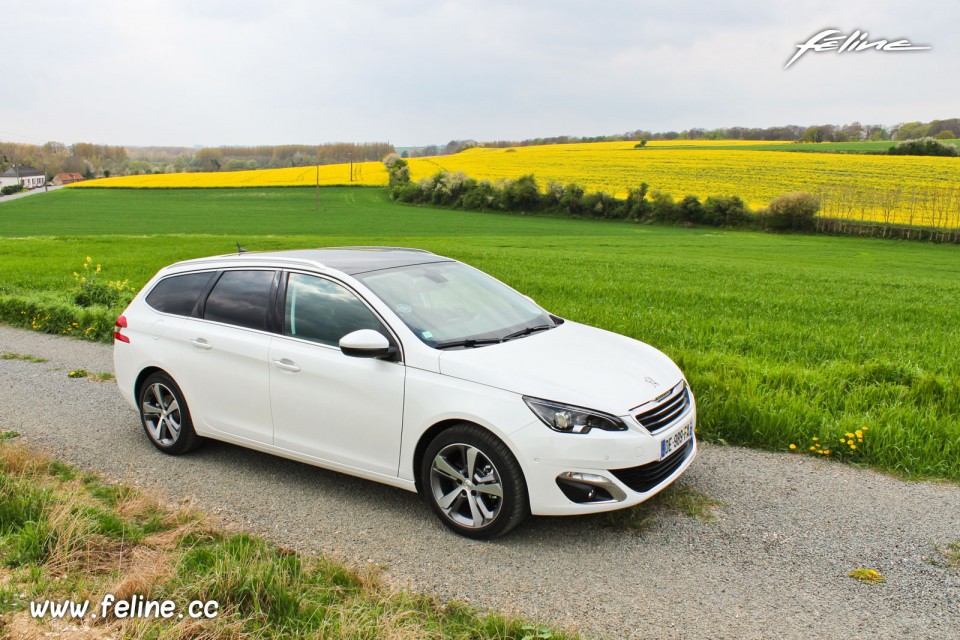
{"points": [[473, 482], [165, 416]]}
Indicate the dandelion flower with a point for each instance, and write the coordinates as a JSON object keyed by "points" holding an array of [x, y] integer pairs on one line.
{"points": [[842, 441], [859, 434], [793, 446], [815, 439], [853, 446]]}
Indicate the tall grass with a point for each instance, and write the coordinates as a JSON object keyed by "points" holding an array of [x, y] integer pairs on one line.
{"points": [[784, 338], [67, 535]]}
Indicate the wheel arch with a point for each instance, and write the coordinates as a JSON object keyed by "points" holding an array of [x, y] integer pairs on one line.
{"points": [[436, 429], [143, 375], [425, 439]]}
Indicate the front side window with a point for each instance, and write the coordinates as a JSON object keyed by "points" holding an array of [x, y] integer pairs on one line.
{"points": [[322, 311], [241, 298], [179, 294]]}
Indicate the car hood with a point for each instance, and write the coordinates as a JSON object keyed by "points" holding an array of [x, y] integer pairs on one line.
{"points": [[573, 364]]}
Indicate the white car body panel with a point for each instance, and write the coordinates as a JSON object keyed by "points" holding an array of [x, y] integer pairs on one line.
{"points": [[346, 410], [587, 367]]}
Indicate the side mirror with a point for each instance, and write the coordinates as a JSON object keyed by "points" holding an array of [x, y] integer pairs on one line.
{"points": [[366, 343]]}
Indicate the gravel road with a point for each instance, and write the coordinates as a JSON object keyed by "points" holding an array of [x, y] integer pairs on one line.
{"points": [[773, 565]]}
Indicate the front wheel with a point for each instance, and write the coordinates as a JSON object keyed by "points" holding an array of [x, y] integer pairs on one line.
{"points": [[165, 416], [473, 482]]}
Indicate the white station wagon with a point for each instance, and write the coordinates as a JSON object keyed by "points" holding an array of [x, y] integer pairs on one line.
{"points": [[407, 368]]}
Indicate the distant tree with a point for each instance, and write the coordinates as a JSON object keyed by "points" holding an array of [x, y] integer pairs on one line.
{"points": [[819, 133], [924, 147], [208, 159], [663, 207], [721, 211], [521, 194], [234, 164], [853, 132], [791, 212], [911, 131], [691, 210]]}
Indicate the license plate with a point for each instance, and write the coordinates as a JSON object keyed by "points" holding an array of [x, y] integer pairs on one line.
{"points": [[675, 440]]}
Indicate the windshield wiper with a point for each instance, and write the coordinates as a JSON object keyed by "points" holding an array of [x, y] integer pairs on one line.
{"points": [[469, 343], [526, 332], [479, 342]]}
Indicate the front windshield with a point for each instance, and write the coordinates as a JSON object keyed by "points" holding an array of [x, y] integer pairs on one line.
{"points": [[446, 303]]}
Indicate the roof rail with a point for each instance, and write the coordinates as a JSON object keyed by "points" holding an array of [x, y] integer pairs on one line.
{"points": [[379, 248]]}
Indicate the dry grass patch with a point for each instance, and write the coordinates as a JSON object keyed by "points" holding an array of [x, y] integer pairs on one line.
{"points": [[67, 535]]}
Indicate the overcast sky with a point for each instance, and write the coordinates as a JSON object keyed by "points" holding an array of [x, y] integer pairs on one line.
{"points": [[414, 72]]}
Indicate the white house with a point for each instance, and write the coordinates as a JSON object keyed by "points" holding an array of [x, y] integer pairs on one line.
{"points": [[29, 177]]}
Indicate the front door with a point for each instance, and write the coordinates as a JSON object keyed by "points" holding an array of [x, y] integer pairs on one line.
{"points": [[325, 404]]}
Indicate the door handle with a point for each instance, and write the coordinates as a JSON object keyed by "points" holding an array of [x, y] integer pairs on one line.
{"points": [[200, 343], [286, 365]]}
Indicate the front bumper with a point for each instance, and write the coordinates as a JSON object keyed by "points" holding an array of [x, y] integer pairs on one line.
{"points": [[634, 454]]}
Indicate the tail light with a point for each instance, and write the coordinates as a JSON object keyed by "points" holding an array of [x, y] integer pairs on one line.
{"points": [[121, 323]]}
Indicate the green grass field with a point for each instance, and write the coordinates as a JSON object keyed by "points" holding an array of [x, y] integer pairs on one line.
{"points": [[784, 338]]}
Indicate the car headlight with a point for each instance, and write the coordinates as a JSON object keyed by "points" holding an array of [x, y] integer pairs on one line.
{"points": [[569, 419]]}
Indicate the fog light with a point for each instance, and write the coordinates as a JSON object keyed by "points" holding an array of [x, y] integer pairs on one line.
{"points": [[584, 488]]}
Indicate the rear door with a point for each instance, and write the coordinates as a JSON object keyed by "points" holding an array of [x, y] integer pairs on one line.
{"points": [[225, 355], [325, 404]]}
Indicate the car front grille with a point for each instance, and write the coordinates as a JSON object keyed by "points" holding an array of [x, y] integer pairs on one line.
{"points": [[667, 411], [647, 476]]}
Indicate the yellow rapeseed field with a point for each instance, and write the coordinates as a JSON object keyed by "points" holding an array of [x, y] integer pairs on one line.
{"points": [[364, 173], [755, 176], [875, 187]]}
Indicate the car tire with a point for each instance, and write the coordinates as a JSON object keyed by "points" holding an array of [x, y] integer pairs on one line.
{"points": [[165, 416], [473, 482]]}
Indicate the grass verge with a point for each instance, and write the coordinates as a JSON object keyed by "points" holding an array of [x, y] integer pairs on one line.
{"points": [[65, 535]]}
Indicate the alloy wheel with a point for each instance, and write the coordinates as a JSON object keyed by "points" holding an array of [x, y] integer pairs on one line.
{"points": [[161, 414], [466, 485]]}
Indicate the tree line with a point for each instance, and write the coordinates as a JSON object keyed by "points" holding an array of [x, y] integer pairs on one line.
{"points": [[95, 161], [87, 159], [851, 132]]}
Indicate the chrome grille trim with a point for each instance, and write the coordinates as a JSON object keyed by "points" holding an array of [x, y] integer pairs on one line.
{"points": [[657, 415]]}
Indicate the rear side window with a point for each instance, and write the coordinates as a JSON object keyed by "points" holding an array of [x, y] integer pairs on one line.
{"points": [[179, 294], [241, 298]]}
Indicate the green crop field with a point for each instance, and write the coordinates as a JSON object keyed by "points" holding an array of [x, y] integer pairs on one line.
{"points": [[784, 338]]}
